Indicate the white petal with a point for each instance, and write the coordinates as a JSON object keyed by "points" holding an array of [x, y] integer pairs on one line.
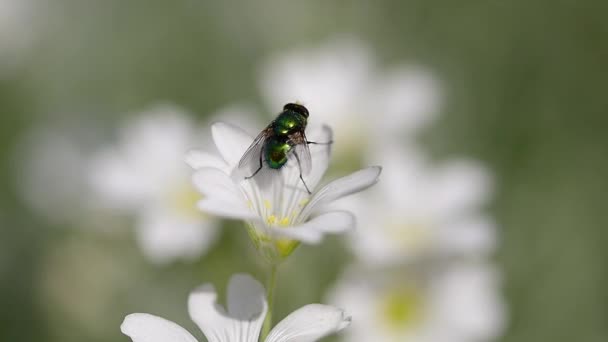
{"points": [[246, 297], [210, 317], [222, 195], [165, 236], [115, 182], [227, 210], [341, 187], [246, 310], [309, 323], [408, 97], [474, 236], [313, 230], [247, 304], [215, 183], [320, 154], [141, 327], [231, 141], [327, 79], [460, 186], [468, 297], [200, 159]]}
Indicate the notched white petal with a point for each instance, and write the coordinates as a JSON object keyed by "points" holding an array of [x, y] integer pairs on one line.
{"points": [[246, 310], [215, 183], [309, 323], [199, 159], [142, 327], [221, 196], [246, 297], [231, 141], [210, 317], [227, 209], [310, 236], [355, 182], [247, 306], [320, 153]]}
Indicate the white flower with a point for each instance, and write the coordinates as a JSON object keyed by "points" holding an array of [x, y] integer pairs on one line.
{"points": [[50, 168], [339, 82], [422, 210], [443, 303], [20, 23], [144, 174], [241, 321], [275, 203]]}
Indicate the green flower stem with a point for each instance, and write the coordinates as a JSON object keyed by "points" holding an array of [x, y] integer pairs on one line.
{"points": [[272, 282]]}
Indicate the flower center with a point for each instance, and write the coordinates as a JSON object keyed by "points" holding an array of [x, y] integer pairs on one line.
{"points": [[401, 308], [414, 236], [273, 220], [283, 246], [183, 198]]}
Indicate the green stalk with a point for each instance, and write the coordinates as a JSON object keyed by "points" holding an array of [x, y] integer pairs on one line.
{"points": [[272, 282]]}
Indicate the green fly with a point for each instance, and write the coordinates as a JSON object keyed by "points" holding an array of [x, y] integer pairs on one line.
{"points": [[281, 138]]}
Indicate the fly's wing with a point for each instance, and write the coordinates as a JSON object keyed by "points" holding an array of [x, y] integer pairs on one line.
{"points": [[302, 151], [250, 161]]}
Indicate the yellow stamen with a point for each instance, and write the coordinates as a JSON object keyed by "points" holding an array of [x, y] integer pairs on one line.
{"points": [[304, 202], [267, 204], [271, 220], [401, 308], [183, 199]]}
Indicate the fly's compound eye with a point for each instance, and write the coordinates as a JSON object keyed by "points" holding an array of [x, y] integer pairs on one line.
{"points": [[298, 108]]}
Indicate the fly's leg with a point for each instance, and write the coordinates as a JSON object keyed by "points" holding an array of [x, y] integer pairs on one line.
{"points": [[258, 170], [300, 168], [319, 143]]}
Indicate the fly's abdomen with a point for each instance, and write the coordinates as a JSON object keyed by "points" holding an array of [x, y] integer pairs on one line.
{"points": [[276, 152]]}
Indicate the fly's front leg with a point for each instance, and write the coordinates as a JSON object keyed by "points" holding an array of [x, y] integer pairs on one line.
{"points": [[319, 143], [300, 169], [258, 170]]}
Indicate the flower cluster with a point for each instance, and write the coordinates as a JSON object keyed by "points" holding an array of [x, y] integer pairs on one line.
{"points": [[420, 272], [419, 267]]}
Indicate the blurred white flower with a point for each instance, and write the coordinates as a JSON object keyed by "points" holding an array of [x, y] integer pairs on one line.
{"points": [[144, 174], [457, 303], [19, 23], [421, 210], [278, 208], [50, 168], [241, 321], [340, 83]]}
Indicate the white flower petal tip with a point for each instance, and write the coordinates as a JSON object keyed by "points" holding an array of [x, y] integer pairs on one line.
{"points": [[227, 210], [198, 159], [310, 323], [231, 141], [142, 327]]}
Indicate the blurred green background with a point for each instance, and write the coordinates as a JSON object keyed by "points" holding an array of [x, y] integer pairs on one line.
{"points": [[526, 95]]}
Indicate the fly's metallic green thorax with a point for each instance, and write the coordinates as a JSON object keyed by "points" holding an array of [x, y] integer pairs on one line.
{"points": [[276, 151], [289, 122]]}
